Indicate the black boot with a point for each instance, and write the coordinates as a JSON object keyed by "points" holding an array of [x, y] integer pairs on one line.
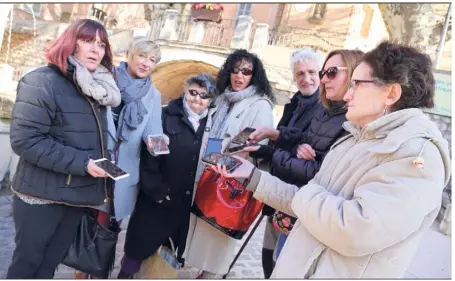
{"points": [[267, 262], [123, 275]]}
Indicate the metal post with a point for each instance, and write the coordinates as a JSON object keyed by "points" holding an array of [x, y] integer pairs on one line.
{"points": [[443, 38], [243, 245]]}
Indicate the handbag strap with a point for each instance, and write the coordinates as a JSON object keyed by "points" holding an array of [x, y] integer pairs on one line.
{"points": [[111, 203]]}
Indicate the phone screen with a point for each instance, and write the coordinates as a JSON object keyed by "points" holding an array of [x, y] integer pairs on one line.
{"points": [[159, 145], [213, 146], [111, 169], [243, 136], [224, 160]]}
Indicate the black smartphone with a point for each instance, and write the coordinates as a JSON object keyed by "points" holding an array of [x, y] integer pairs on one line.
{"points": [[224, 160], [243, 136], [240, 147], [112, 170], [213, 146]]}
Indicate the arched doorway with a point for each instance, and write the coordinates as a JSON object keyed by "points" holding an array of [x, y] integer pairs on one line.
{"points": [[169, 77]]}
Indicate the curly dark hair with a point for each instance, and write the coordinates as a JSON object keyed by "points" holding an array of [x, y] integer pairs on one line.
{"points": [[393, 63], [258, 79]]}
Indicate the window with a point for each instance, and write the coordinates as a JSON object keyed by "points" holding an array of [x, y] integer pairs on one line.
{"points": [[243, 10], [30, 7]]}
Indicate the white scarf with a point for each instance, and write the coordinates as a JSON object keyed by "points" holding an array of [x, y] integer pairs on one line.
{"points": [[194, 118]]}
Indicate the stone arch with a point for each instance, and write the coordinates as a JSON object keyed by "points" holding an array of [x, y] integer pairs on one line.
{"points": [[169, 77]]}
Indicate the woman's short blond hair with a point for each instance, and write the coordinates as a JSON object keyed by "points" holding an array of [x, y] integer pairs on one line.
{"points": [[141, 45]]}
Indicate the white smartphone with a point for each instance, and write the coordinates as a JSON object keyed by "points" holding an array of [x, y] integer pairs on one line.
{"points": [[112, 170], [159, 145]]}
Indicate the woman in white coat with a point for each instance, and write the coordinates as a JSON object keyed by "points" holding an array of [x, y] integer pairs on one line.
{"points": [[247, 101], [379, 189]]}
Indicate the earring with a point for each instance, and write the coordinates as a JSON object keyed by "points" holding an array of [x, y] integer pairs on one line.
{"points": [[385, 111]]}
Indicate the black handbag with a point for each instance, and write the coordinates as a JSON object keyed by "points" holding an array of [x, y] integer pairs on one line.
{"points": [[93, 248]]}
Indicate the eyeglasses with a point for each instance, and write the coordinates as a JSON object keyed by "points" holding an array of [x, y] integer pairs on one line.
{"points": [[355, 83], [331, 72], [245, 71], [202, 95]]}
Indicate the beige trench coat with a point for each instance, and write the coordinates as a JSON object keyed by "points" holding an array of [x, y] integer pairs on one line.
{"points": [[365, 212], [208, 248]]}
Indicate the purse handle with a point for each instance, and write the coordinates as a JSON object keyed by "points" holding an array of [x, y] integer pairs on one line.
{"points": [[112, 219]]}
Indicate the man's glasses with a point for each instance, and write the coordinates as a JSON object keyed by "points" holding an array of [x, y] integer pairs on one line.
{"points": [[331, 72], [245, 71], [202, 95], [355, 83]]}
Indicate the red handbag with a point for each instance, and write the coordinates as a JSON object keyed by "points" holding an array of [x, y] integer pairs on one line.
{"points": [[225, 204]]}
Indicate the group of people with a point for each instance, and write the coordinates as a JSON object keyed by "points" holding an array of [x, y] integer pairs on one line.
{"points": [[352, 175]]}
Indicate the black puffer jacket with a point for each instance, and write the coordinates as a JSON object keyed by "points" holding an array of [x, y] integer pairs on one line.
{"points": [[54, 130], [324, 130], [304, 109]]}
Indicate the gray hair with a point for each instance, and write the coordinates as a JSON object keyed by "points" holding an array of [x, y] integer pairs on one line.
{"points": [[204, 80], [306, 54], [142, 44]]}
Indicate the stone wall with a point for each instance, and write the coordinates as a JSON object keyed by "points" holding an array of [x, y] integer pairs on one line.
{"points": [[23, 51], [6, 106]]}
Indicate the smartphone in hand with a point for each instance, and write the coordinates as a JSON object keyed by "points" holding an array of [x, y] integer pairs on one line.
{"points": [[159, 145], [224, 160], [243, 136], [112, 170], [213, 146], [240, 148]]}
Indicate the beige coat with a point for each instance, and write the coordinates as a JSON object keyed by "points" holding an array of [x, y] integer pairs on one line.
{"points": [[208, 248], [365, 212]]}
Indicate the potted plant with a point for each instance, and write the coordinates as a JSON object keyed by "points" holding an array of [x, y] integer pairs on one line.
{"points": [[207, 12]]}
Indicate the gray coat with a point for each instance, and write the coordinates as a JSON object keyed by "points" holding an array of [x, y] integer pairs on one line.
{"points": [[128, 153]]}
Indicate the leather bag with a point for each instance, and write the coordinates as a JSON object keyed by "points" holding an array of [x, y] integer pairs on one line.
{"points": [[225, 204]]}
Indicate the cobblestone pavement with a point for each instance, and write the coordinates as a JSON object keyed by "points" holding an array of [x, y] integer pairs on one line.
{"points": [[247, 266]]}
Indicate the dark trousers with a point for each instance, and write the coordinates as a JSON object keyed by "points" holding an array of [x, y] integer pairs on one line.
{"points": [[44, 234], [269, 244]]}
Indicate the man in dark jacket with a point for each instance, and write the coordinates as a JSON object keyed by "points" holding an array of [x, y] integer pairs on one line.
{"points": [[296, 119]]}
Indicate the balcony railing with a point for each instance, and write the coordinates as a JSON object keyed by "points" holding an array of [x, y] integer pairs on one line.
{"points": [[215, 34]]}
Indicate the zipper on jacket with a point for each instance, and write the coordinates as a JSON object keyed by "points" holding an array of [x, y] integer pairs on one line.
{"points": [[68, 180], [99, 130]]}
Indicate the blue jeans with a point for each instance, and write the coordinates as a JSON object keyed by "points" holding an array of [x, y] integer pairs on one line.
{"points": [[280, 244]]}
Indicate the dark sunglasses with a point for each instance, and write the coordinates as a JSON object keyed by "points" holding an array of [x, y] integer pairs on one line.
{"points": [[202, 95], [331, 72], [245, 71]]}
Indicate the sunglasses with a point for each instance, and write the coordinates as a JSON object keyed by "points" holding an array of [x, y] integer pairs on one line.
{"points": [[245, 71], [202, 95], [331, 72]]}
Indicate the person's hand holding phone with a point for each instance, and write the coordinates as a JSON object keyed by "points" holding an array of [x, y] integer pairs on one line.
{"points": [[95, 171], [150, 143], [262, 133], [251, 148], [242, 172], [306, 152]]}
